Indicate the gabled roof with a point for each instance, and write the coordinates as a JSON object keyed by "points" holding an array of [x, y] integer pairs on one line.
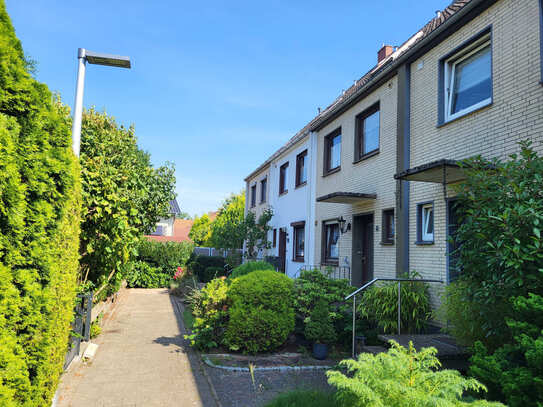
{"points": [[384, 68], [174, 207]]}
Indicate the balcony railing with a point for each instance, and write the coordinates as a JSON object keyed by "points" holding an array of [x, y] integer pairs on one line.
{"points": [[330, 271]]}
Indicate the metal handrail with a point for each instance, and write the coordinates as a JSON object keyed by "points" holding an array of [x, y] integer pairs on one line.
{"points": [[370, 283]]}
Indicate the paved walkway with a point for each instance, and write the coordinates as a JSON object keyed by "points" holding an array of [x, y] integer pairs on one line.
{"points": [[142, 360]]}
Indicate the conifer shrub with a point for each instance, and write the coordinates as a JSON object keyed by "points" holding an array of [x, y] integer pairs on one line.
{"points": [[39, 230], [262, 311]]}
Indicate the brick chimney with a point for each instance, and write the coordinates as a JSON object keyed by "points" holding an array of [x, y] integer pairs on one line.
{"points": [[384, 52]]}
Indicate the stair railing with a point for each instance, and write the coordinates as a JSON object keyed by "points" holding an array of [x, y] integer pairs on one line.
{"points": [[369, 284]]}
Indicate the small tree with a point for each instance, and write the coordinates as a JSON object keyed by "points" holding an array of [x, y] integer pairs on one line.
{"points": [[228, 229], [201, 230], [256, 232]]}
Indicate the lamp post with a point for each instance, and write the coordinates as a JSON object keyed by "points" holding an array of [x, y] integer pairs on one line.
{"points": [[94, 58]]}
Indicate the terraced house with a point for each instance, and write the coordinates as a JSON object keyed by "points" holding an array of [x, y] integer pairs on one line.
{"points": [[386, 151]]}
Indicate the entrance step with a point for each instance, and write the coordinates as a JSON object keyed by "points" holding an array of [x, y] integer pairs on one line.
{"points": [[374, 349]]}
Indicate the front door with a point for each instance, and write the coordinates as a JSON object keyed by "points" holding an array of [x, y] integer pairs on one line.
{"points": [[282, 250], [362, 263]]}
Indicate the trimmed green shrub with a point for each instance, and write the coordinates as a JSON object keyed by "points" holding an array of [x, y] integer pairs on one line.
{"points": [[198, 265], [167, 256], [210, 309], [402, 377], [40, 200], [250, 266], [262, 312], [380, 304], [303, 398], [144, 275], [319, 327], [211, 273]]}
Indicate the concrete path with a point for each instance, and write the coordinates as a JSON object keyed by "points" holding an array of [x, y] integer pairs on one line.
{"points": [[142, 360]]}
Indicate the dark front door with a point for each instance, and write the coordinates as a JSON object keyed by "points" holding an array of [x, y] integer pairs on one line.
{"points": [[282, 250], [362, 263]]}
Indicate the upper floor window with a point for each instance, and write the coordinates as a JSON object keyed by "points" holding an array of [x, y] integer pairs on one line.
{"points": [[468, 79], [332, 151], [159, 231], [263, 190], [301, 168], [253, 196], [283, 176], [367, 132], [425, 229]]}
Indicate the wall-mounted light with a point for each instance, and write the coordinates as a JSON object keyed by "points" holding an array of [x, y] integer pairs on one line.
{"points": [[343, 228]]}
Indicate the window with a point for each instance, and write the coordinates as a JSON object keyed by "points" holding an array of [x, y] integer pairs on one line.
{"points": [[425, 222], [263, 190], [330, 247], [301, 168], [253, 196], [274, 237], [367, 132], [159, 231], [283, 174], [332, 151], [468, 79], [299, 240], [388, 226]]}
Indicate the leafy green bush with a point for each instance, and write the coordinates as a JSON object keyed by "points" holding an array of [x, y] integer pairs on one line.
{"points": [[401, 377], [211, 273], [302, 398], [198, 265], [250, 266], [143, 275], [168, 256], [262, 312], [40, 201], [319, 327], [380, 304], [210, 309]]}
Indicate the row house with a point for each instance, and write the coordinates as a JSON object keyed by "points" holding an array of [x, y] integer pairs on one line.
{"points": [[385, 154]]}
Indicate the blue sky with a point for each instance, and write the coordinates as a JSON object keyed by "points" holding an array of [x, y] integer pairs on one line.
{"points": [[216, 87]]}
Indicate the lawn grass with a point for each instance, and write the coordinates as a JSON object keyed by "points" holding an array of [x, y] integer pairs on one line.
{"points": [[300, 398], [188, 319]]}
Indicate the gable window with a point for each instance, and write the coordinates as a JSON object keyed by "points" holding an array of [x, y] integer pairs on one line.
{"points": [[301, 168], [425, 227], [253, 196], [388, 226], [299, 240], [332, 152], [330, 242], [367, 133], [468, 79], [159, 231], [283, 174], [263, 190]]}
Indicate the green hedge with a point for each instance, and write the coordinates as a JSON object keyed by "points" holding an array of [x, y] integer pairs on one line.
{"points": [[249, 267], [262, 312], [39, 229], [198, 265], [165, 255]]}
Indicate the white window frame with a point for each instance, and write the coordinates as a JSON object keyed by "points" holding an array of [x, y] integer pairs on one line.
{"points": [[424, 220], [450, 67]]}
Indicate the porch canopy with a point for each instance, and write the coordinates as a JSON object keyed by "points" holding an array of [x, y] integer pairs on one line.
{"points": [[346, 197], [441, 171]]}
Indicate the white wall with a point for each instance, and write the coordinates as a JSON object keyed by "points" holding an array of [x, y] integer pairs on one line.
{"points": [[167, 225]]}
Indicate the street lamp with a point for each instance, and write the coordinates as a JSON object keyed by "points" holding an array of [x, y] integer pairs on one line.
{"points": [[94, 58]]}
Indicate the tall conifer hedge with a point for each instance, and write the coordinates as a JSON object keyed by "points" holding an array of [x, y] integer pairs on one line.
{"points": [[39, 228]]}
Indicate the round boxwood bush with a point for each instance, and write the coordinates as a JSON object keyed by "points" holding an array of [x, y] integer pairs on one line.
{"points": [[262, 312]]}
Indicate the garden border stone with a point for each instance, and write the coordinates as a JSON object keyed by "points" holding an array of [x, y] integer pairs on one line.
{"points": [[208, 362]]}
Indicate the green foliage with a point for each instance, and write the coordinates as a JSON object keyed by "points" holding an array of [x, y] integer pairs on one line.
{"points": [[249, 267], [380, 304], [256, 232], [228, 229], [95, 328], [144, 275], [198, 265], [319, 327], [300, 398], [514, 372], [262, 312], [501, 254], [401, 377], [167, 256], [210, 309], [39, 226], [123, 195], [200, 232]]}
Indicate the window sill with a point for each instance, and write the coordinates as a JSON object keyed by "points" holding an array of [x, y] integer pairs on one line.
{"points": [[424, 242], [283, 193], [386, 243], [445, 122], [330, 263], [262, 203], [253, 206], [298, 260], [366, 156], [303, 184], [332, 171]]}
